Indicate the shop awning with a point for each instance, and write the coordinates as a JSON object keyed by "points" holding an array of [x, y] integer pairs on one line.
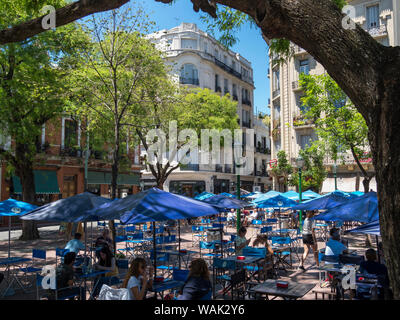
{"points": [[97, 177], [45, 182]]}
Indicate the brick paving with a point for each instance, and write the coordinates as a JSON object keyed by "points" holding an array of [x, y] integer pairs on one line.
{"points": [[50, 239]]}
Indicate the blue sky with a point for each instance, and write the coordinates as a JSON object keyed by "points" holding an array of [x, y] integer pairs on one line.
{"points": [[251, 44]]}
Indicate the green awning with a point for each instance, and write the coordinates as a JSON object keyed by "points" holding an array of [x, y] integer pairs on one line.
{"points": [[96, 177], [45, 182]]}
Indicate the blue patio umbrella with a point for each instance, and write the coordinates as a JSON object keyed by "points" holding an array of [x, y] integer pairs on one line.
{"points": [[293, 195], [204, 195], [223, 202], [279, 201], [154, 205], [311, 194], [229, 195], [267, 195], [357, 193], [327, 201], [372, 228], [362, 209], [14, 208], [72, 209]]}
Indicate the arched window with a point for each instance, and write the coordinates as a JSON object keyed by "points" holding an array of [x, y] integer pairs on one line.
{"points": [[189, 74]]}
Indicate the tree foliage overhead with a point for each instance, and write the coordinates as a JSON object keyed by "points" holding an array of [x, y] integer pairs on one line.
{"points": [[338, 123]]}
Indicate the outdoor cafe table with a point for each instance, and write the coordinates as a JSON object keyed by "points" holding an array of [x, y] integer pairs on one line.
{"points": [[168, 284], [248, 260], [294, 290], [81, 278], [11, 276]]}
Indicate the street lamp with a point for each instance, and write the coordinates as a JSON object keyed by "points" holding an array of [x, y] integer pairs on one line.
{"points": [[300, 165], [334, 174]]}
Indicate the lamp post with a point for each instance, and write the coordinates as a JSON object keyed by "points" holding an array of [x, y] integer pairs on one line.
{"points": [[334, 174], [300, 164]]}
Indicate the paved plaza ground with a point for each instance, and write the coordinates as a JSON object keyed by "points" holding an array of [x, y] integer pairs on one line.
{"points": [[50, 239]]}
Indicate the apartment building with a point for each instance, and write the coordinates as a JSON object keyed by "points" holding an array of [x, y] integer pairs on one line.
{"points": [[381, 18], [59, 170], [198, 60]]}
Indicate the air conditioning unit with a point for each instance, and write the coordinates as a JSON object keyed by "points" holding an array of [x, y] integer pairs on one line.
{"points": [[256, 188]]}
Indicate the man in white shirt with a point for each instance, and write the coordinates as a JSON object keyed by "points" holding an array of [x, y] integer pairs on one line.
{"points": [[334, 247]]}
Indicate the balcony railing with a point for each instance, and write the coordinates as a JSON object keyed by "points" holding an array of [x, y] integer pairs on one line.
{"points": [[246, 124], [381, 30], [228, 68], [235, 97], [70, 152], [298, 49], [301, 121], [218, 89], [228, 168], [218, 168], [276, 93], [192, 81], [189, 167], [246, 102], [296, 85]]}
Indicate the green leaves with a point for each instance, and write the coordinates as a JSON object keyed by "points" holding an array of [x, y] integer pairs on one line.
{"points": [[338, 123]]}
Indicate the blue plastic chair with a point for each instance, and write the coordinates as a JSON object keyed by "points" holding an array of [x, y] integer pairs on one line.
{"points": [[166, 267], [34, 267], [282, 255], [210, 246], [265, 229]]}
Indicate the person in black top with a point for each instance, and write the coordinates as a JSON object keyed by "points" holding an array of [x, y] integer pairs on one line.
{"points": [[64, 279], [198, 284], [371, 266]]}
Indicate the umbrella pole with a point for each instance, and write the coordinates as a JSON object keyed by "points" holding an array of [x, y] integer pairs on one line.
{"points": [[154, 248], [220, 236], [179, 242], [84, 257], [9, 236]]}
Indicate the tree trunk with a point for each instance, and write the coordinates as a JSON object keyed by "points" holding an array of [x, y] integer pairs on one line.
{"points": [[114, 178], [25, 173], [366, 182]]}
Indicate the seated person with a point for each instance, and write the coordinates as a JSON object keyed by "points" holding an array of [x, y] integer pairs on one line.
{"points": [[106, 263], [252, 216], [64, 280], [334, 247], [136, 280], [371, 266], [262, 239], [241, 241], [104, 240], [198, 284], [75, 244], [231, 215]]}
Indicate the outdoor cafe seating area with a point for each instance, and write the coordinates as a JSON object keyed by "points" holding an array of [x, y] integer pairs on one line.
{"points": [[169, 231]]}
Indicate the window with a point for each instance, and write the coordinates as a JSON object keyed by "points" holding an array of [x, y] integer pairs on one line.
{"points": [[305, 140], [373, 17], [226, 90], [217, 87], [304, 67], [233, 65], [205, 47], [234, 91], [189, 44], [189, 74], [70, 134], [276, 80]]}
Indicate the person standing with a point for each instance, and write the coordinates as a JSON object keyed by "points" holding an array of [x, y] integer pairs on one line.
{"points": [[309, 239]]}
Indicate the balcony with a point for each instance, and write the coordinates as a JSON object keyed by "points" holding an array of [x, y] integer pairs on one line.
{"points": [[276, 93], [299, 121], [379, 31], [246, 102], [218, 168], [296, 86], [218, 89], [97, 155], [189, 167], [228, 168], [70, 152], [235, 97], [228, 68], [191, 81], [226, 90], [298, 50], [246, 124]]}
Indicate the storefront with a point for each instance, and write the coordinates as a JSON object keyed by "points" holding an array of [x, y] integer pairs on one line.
{"points": [[100, 183], [221, 185], [187, 188]]}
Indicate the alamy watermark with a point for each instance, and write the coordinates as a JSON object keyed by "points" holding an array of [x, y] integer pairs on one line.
{"points": [[186, 147]]}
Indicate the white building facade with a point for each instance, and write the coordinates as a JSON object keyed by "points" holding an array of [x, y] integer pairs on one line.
{"points": [[198, 60], [289, 132]]}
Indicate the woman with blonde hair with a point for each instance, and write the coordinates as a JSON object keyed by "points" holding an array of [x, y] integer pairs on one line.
{"points": [[136, 280]]}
